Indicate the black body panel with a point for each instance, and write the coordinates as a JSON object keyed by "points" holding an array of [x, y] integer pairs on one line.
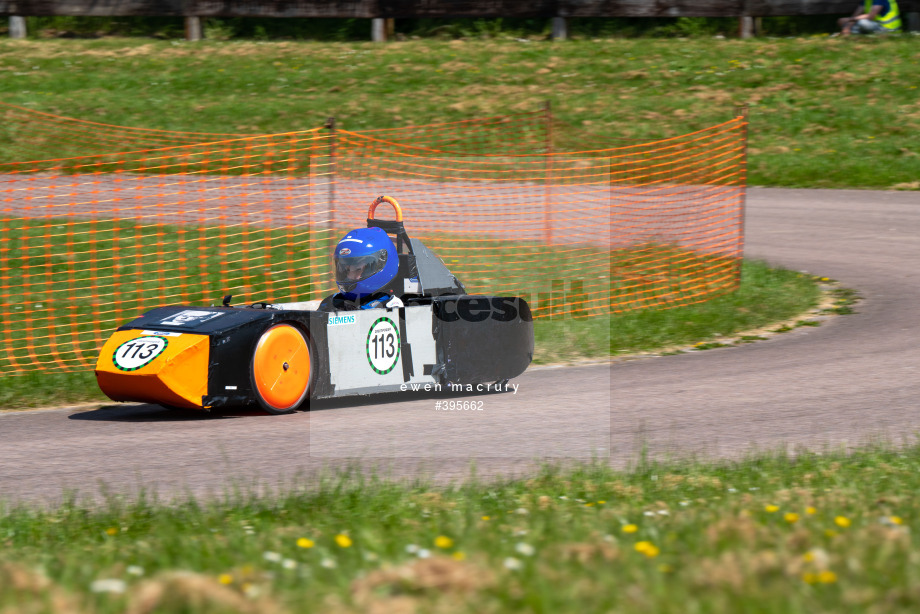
{"points": [[481, 339]]}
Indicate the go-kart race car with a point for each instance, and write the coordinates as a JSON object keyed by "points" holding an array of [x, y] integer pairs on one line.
{"points": [[279, 356]]}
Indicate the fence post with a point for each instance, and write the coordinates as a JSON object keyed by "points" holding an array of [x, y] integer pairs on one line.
{"points": [[560, 29], [742, 113], [746, 26], [913, 20], [547, 192], [193, 29], [17, 26], [378, 30], [330, 125]]}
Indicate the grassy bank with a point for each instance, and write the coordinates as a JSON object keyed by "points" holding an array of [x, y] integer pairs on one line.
{"points": [[820, 533], [821, 114], [766, 296]]}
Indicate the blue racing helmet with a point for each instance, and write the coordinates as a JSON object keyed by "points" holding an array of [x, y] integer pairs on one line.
{"points": [[365, 262]]}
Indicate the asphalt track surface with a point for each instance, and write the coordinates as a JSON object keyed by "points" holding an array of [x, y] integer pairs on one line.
{"points": [[851, 381]]}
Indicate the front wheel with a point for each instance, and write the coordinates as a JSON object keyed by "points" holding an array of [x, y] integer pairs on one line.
{"points": [[281, 369]]}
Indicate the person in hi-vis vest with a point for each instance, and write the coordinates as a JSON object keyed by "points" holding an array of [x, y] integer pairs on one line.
{"points": [[873, 17]]}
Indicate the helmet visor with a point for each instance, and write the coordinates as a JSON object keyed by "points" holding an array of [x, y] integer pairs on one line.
{"points": [[352, 269]]}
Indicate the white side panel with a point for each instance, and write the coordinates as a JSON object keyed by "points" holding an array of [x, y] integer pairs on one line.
{"points": [[366, 349], [418, 332]]}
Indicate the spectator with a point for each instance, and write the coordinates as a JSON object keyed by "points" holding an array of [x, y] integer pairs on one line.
{"points": [[874, 17]]}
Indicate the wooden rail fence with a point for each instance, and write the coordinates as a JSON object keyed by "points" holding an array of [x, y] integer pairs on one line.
{"points": [[382, 10]]}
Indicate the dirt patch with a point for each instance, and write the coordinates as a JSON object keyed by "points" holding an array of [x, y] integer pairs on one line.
{"points": [[190, 592], [27, 586], [418, 585]]}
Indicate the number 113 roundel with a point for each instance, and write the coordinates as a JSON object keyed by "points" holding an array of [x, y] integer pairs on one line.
{"points": [[134, 354], [383, 345]]}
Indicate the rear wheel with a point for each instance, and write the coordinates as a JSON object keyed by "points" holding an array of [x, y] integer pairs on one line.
{"points": [[281, 369]]}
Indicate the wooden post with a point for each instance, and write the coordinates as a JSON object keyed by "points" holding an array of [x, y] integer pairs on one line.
{"points": [[910, 15], [330, 126], [746, 26], [560, 29], [17, 26], [193, 29], [913, 22], [548, 185], [378, 30]]}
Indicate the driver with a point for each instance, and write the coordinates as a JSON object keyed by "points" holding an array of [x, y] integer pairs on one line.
{"points": [[366, 263]]}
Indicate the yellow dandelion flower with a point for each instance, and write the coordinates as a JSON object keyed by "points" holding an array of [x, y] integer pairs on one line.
{"points": [[225, 578], [810, 577], [458, 556], [647, 548], [791, 517], [111, 531], [827, 577], [810, 510], [343, 541], [771, 508], [486, 517], [589, 505], [443, 542], [896, 520], [305, 542], [601, 502], [842, 521], [630, 528]]}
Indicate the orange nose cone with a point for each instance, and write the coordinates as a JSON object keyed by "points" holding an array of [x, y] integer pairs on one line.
{"points": [[281, 367], [151, 367]]}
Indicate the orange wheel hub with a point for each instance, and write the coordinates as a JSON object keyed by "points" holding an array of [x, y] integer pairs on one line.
{"points": [[281, 368]]}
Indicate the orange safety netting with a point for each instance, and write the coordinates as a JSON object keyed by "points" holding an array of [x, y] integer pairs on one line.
{"points": [[116, 220]]}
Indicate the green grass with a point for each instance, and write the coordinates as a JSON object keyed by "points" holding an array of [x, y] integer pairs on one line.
{"points": [[818, 533], [766, 295], [820, 114]]}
